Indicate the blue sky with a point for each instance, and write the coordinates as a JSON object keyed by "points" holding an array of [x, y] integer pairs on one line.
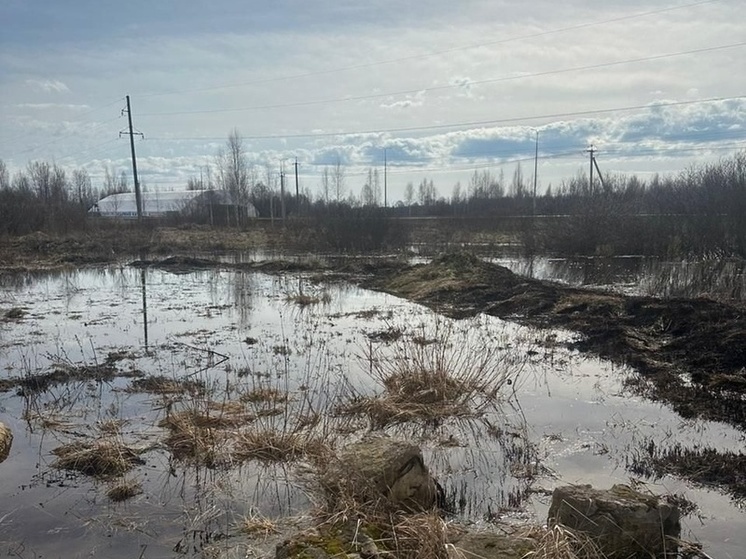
{"points": [[445, 87]]}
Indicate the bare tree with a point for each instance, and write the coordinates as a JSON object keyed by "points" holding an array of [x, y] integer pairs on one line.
{"points": [[409, 194], [326, 184], [338, 180], [84, 195], [234, 170]]}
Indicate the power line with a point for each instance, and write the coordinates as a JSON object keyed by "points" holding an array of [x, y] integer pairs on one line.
{"points": [[452, 86], [430, 54], [465, 124]]}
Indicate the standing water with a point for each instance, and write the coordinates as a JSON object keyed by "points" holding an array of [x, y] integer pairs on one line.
{"points": [[115, 357]]}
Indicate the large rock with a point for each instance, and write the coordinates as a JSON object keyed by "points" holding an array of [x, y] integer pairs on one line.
{"points": [[6, 439], [379, 470], [624, 523]]}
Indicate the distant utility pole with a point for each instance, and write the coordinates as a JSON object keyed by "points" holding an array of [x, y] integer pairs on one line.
{"points": [[131, 133], [297, 190], [592, 150], [536, 170], [282, 190], [385, 180]]}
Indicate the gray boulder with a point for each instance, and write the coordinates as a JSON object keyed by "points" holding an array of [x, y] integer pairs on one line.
{"points": [[380, 470], [623, 523]]}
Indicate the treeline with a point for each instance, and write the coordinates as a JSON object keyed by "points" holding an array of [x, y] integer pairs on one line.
{"points": [[47, 197], [699, 211]]}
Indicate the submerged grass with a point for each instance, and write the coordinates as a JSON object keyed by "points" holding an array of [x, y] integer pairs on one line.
{"points": [[102, 458]]}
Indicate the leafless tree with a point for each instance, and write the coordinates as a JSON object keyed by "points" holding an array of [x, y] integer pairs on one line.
{"points": [[338, 180]]}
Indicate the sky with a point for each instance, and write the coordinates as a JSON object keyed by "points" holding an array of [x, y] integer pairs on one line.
{"points": [[437, 88]]}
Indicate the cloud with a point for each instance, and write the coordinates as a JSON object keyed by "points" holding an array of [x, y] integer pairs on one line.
{"points": [[49, 86], [52, 106]]}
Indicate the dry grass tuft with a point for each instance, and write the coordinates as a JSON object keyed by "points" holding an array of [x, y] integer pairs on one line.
{"points": [[258, 526], [101, 458], [264, 394], [199, 435], [559, 542], [419, 535], [270, 445], [432, 376], [166, 385], [124, 490], [304, 300]]}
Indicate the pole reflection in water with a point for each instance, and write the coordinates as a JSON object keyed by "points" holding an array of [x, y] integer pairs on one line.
{"points": [[144, 307]]}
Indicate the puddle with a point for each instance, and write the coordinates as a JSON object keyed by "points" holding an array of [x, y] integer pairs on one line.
{"points": [[241, 336]]}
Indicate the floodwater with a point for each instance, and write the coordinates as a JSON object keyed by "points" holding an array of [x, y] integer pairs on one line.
{"points": [[563, 419]]}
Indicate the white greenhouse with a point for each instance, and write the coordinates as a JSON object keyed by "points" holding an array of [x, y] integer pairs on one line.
{"points": [[217, 204]]}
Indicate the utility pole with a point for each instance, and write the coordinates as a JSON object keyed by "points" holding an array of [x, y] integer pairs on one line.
{"points": [[385, 180], [132, 134], [591, 150], [297, 190], [536, 170], [282, 190]]}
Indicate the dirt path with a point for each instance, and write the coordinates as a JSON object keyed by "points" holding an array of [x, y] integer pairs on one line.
{"points": [[691, 353]]}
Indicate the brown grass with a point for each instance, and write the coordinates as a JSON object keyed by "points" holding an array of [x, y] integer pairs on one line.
{"points": [[559, 542], [257, 526], [442, 378], [269, 445], [199, 435], [124, 490], [305, 300], [264, 394], [166, 385], [100, 458]]}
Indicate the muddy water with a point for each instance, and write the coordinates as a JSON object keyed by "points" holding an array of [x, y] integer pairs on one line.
{"points": [[564, 419]]}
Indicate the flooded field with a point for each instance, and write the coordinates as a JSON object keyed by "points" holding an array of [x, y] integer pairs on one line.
{"points": [[215, 389]]}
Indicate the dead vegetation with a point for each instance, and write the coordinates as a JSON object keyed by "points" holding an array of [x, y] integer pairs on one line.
{"points": [[165, 385], [305, 300], [705, 466], [15, 313], [271, 445], [198, 434], [257, 526], [124, 490], [431, 376], [101, 458], [558, 542]]}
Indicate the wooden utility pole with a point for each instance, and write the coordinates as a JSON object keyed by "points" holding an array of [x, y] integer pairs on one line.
{"points": [[536, 171], [132, 134], [282, 190], [591, 150], [297, 189], [385, 180]]}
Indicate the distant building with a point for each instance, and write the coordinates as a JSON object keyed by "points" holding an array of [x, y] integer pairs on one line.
{"points": [[213, 205]]}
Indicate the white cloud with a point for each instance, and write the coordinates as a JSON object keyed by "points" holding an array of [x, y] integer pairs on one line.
{"points": [[49, 86]]}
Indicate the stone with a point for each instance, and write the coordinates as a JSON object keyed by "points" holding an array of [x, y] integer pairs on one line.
{"points": [[6, 439], [622, 522], [382, 470]]}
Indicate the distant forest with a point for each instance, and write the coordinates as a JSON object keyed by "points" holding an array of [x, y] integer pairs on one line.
{"points": [[700, 211]]}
